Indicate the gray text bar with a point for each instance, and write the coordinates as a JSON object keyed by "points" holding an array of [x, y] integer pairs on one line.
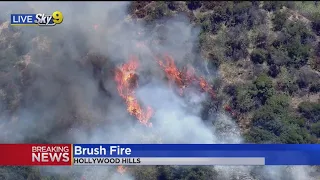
{"points": [[171, 161]]}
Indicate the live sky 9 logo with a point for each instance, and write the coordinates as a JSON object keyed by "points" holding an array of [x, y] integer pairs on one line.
{"points": [[49, 20]]}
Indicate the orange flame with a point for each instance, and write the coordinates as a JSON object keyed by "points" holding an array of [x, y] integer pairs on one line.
{"points": [[172, 72], [126, 79], [183, 78], [205, 86], [121, 169]]}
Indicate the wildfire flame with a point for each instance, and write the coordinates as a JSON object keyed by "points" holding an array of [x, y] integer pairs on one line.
{"points": [[205, 86], [127, 80], [183, 78], [172, 72], [121, 169]]}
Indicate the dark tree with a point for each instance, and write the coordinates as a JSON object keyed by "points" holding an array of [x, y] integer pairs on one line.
{"points": [[317, 50], [193, 5], [259, 56], [315, 87], [315, 24], [274, 70]]}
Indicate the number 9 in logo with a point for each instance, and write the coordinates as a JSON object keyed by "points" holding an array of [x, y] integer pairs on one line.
{"points": [[57, 17]]}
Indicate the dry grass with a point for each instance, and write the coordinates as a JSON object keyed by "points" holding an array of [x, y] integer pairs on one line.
{"points": [[295, 101]]}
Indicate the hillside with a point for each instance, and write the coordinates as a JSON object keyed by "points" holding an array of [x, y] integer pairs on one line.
{"points": [[257, 64]]}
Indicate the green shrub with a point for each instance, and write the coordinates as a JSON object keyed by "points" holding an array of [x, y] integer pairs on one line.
{"points": [[278, 56], [266, 119], [160, 10], [310, 110], [298, 53], [278, 102], [236, 44], [245, 100], [315, 129], [280, 17], [276, 122], [295, 135], [294, 41], [259, 135], [219, 15], [206, 25], [286, 82], [264, 87]]}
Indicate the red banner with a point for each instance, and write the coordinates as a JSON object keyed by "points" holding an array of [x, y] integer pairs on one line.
{"points": [[35, 154]]}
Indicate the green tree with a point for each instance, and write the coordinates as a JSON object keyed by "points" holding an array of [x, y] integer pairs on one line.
{"points": [[298, 53], [310, 110], [286, 82], [259, 135], [279, 19], [264, 87], [276, 122], [293, 45], [295, 135], [266, 119], [159, 11], [279, 102], [245, 100]]}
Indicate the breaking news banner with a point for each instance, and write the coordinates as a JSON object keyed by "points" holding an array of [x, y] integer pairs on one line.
{"points": [[158, 154], [35, 154]]}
